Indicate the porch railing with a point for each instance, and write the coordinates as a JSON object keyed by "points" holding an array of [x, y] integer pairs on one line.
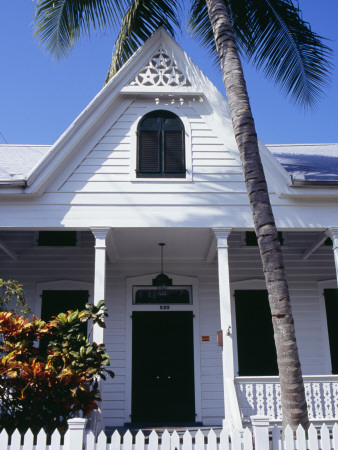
{"points": [[261, 395]]}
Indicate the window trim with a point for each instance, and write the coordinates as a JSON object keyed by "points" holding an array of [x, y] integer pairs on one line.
{"points": [[161, 140], [187, 146]]}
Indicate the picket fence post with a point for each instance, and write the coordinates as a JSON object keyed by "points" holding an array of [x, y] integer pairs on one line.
{"points": [[260, 427], [239, 439], [76, 429]]}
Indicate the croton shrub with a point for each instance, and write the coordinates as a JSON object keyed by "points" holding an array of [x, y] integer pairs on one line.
{"points": [[12, 297], [49, 371]]}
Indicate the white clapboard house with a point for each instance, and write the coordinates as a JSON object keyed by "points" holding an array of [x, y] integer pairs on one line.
{"points": [[152, 160]]}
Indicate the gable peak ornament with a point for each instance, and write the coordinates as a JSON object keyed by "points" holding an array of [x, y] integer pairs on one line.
{"points": [[161, 70]]}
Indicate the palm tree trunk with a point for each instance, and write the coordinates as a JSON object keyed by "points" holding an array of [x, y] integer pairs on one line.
{"points": [[292, 388]]}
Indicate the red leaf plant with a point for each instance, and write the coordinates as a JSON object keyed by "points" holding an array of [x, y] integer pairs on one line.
{"points": [[49, 371]]}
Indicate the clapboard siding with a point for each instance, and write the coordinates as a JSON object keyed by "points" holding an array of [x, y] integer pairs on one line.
{"points": [[107, 154], [221, 154], [226, 162], [39, 264], [105, 162], [110, 160], [121, 147], [123, 186]]}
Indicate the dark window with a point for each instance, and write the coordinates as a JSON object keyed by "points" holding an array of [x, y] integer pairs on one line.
{"points": [[251, 238], [57, 238], [331, 304], [328, 241], [255, 341], [56, 302], [161, 151]]}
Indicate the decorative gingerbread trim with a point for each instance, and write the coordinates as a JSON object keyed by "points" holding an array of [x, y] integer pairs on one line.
{"points": [[161, 70]]}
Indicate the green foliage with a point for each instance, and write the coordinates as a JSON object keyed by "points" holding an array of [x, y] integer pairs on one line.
{"points": [[44, 385], [140, 20], [275, 38], [60, 23], [12, 297], [269, 33]]}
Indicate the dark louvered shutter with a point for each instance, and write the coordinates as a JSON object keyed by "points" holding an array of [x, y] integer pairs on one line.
{"points": [[173, 152], [255, 341], [331, 305], [161, 145], [148, 152]]}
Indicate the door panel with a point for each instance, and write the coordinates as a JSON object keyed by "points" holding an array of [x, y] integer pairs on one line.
{"points": [[255, 340], [163, 367]]}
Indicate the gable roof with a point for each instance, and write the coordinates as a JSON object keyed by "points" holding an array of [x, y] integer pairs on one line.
{"points": [[161, 67], [160, 53]]}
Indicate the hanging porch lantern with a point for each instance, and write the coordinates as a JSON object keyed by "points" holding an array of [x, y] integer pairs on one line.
{"points": [[162, 281]]}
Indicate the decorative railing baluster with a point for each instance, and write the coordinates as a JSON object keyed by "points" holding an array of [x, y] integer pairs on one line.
{"points": [[261, 395]]}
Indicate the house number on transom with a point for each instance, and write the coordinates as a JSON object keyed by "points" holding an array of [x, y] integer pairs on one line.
{"points": [[164, 307]]}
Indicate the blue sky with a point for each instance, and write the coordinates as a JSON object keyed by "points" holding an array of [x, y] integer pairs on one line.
{"points": [[40, 97]]}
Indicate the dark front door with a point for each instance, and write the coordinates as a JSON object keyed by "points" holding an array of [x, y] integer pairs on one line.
{"points": [[163, 367]]}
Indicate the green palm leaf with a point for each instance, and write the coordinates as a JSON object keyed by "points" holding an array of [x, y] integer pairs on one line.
{"points": [[59, 23], [140, 21], [272, 34]]}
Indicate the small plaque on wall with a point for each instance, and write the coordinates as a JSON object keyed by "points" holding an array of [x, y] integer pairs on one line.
{"points": [[205, 338], [220, 338]]}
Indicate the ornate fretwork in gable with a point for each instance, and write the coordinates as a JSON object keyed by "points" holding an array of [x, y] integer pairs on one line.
{"points": [[161, 70]]}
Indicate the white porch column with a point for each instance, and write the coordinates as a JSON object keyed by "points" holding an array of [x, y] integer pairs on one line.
{"points": [[332, 232], [100, 234], [231, 407]]}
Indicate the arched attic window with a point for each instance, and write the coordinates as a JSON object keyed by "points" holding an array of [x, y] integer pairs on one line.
{"points": [[160, 146]]}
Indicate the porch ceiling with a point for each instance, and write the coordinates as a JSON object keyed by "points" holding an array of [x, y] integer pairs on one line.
{"points": [[182, 243]]}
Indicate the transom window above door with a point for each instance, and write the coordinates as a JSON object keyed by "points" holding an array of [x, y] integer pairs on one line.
{"points": [[160, 146], [150, 295]]}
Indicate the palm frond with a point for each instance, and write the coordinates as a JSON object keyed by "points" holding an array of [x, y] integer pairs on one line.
{"points": [[200, 27], [280, 42], [273, 35], [59, 23], [140, 21]]}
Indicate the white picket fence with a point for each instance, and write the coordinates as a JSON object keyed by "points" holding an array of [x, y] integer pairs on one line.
{"points": [[260, 438]]}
